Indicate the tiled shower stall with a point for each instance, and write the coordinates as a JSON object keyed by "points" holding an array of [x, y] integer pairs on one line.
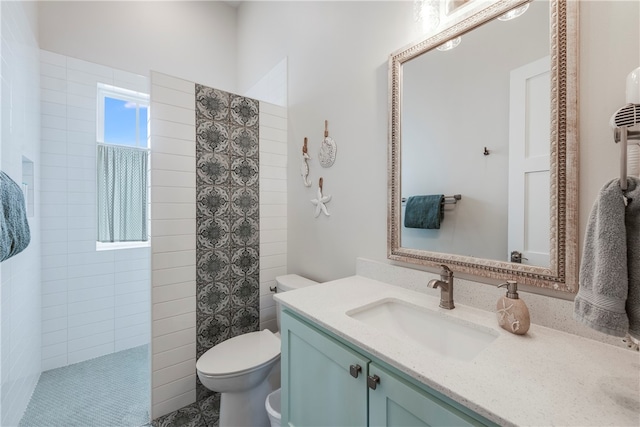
{"points": [[94, 302], [89, 303]]}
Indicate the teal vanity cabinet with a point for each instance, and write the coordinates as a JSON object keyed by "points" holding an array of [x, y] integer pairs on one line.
{"points": [[323, 382], [396, 402], [328, 383]]}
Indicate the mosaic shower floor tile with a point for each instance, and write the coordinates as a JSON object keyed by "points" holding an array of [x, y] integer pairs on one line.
{"points": [[107, 391]]}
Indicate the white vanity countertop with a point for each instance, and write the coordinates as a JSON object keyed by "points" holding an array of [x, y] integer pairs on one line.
{"points": [[545, 377]]}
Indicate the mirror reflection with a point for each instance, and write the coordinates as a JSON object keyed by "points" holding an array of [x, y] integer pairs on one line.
{"points": [[476, 123]]}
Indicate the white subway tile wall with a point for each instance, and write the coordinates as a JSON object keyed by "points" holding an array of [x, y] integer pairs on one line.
{"points": [[273, 207], [93, 302], [20, 324], [173, 259], [173, 255]]}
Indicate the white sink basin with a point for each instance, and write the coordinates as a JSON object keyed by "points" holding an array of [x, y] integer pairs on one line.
{"points": [[434, 331]]}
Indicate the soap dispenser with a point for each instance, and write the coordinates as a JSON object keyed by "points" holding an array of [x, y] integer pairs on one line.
{"points": [[512, 312]]}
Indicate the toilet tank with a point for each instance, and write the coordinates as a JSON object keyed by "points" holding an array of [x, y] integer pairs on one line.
{"points": [[290, 282]]}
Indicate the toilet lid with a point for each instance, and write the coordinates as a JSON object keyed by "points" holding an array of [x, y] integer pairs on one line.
{"points": [[241, 353], [289, 282]]}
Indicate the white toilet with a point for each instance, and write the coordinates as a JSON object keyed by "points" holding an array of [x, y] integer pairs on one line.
{"points": [[239, 368]]}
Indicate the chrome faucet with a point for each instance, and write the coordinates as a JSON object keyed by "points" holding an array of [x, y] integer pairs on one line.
{"points": [[446, 287]]}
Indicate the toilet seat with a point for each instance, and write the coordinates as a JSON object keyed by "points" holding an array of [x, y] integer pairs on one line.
{"points": [[241, 354]]}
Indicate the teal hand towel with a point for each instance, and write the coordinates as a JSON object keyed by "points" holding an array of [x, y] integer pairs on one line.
{"points": [[14, 227], [424, 211]]}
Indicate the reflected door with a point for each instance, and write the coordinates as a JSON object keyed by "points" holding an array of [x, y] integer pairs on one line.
{"points": [[529, 144]]}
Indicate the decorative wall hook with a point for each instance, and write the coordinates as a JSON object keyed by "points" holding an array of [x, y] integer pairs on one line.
{"points": [[486, 152], [327, 154], [304, 169], [320, 201]]}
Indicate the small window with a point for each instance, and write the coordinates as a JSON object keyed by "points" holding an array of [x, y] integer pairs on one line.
{"points": [[122, 168], [122, 116]]}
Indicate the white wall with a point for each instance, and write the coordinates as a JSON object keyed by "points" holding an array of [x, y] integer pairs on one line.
{"points": [[341, 75], [609, 50], [195, 40], [20, 275], [93, 302], [272, 90], [272, 87]]}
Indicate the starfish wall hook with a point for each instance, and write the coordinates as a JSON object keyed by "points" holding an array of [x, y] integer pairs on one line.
{"points": [[320, 201]]}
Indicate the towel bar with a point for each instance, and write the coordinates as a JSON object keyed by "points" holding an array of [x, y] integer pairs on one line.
{"points": [[448, 200], [624, 135], [626, 127]]}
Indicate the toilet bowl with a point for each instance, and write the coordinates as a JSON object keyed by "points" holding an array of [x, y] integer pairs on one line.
{"points": [[273, 404], [239, 369]]}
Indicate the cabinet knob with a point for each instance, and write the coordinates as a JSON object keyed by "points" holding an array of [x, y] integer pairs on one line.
{"points": [[354, 370], [373, 381]]}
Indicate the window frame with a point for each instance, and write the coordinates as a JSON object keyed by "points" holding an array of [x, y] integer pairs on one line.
{"points": [[110, 91], [141, 99]]}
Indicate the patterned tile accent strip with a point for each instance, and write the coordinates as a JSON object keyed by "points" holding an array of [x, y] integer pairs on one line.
{"points": [[227, 218], [204, 413]]}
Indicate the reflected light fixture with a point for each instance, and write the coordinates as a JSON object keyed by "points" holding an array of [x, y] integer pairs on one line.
{"points": [[450, 44], [513, 13], [427, 13]]}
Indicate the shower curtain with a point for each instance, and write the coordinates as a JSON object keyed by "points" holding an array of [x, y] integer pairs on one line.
{"points": [[122, 194]]}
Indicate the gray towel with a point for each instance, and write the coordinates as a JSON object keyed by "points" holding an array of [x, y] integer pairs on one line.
{"points": [[14, 227], [609, 296], [424, 211], [632, 222]]}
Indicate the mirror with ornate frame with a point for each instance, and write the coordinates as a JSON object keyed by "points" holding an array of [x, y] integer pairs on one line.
{"points": [[559, 271]]}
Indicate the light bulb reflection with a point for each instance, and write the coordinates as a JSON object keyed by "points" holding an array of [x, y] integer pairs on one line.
{"points": [[427, 13], [514, 13], [450, 44]]}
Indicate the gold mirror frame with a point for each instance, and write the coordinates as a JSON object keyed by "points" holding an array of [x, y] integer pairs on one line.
{"points": [[561, 275]]}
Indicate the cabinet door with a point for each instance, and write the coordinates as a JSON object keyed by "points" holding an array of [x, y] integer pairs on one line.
{"points": [[395, 402], [318, 388]]}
